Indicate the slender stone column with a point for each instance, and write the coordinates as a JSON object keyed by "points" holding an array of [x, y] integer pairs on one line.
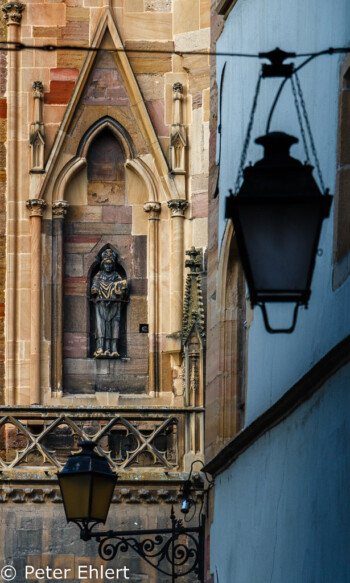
{"points": [[153, 209], [36, 208], [13, 16], [178, 207], [59, 211]]}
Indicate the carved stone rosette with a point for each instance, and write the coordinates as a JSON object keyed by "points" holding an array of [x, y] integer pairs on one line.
{"points": [[153, 209], [36, 207], [177, 207], [59, 209], [13, 12]]}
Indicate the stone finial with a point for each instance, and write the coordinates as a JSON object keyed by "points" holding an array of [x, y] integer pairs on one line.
{"points": [[38, 89], [153, 208], [59, 209], [177, 87], [36, 207], [177, 207], [193, 314], [194, 263], [13, 12]]}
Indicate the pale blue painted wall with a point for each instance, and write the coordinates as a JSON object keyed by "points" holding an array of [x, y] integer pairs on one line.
{"points": [[282, 509], [277, 362]]}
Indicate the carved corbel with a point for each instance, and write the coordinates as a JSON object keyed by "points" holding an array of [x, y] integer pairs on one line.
{"points": [[178, 139], [59, 209], [37, 139], [13, 12], [153, 209]]}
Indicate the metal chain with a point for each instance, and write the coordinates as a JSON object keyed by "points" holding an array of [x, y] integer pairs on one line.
{"points": [[313, 147], [247, 138], [300, 120]]}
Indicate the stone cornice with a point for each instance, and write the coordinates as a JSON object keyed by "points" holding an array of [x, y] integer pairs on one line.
{"points": [[41, 494]]}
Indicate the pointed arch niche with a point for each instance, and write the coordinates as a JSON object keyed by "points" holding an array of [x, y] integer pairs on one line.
{"points": [[231, 304], [100, 202]]}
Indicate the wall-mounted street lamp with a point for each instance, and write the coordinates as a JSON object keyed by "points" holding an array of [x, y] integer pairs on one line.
{"points": [[278, 209], [87, 484]]}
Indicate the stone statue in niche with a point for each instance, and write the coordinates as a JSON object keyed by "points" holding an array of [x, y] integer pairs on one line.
{"points": [[109, 293]]}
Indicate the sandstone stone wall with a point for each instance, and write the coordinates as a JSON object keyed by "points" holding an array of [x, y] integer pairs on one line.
{"points": [[145, 27], [3, 134]]}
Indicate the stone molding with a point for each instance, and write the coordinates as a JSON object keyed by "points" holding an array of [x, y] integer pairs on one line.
{"points": [[177, 207], [59, 209], [153, 208], [36, 207], [42, 495], [13, 12]]}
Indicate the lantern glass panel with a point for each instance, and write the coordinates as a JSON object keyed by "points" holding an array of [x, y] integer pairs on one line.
{"points": [[102, 492], [280, 238], [76, 491]]}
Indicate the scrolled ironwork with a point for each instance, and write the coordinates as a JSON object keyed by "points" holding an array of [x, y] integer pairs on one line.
{"points": [[162, 549]]}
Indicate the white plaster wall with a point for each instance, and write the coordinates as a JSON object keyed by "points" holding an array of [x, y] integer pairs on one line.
{"points": [[282, 509], [277, 361]]}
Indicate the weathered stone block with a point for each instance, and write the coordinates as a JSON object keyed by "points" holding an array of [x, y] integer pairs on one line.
{"points": [[117, 214], [75, 345], [73, 265], [60, 92], [76, 313], [140, 257]]}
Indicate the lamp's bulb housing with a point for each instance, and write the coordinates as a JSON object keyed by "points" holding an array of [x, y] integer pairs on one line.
{"points": [[185, 506]]}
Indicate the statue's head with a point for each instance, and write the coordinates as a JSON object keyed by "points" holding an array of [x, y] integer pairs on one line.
{"points": [[108, 259]]}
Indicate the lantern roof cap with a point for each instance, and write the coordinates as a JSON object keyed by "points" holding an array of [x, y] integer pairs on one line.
{"points": [[276, 144]]}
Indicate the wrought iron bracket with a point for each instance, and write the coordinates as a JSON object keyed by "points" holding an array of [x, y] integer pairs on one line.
{"points": [[175, 551], [277, 68]]}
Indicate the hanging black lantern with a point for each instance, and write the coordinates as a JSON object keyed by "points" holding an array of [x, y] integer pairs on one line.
{"points": [[277, 215], [87, 485]]}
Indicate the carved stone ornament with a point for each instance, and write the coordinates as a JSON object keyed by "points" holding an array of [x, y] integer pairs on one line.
{"points": [[38, 89], [13, 12], [153, 208], [59, 209], [178, 139], [193, 316], [177, 207], [177, 87], [109, 292], [36, 207]]}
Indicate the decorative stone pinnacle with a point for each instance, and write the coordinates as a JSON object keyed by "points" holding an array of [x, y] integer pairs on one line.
{"points": [[13, 12], [177, 206], [36, 207], [194, 263], [59, 209], [178, 87], [153, 208], [38, 89]]}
